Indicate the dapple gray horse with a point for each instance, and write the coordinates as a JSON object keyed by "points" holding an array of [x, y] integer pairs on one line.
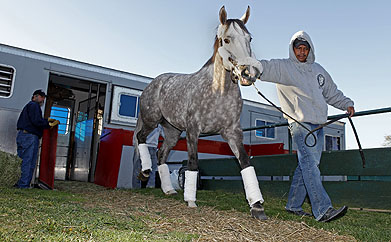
{"points": [[207, 101]]}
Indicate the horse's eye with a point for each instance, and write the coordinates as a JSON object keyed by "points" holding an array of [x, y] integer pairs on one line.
{"points": [[226, 41], [251, 39]]}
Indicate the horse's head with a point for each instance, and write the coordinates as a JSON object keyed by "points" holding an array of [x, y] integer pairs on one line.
{"points": [[233, 41]]}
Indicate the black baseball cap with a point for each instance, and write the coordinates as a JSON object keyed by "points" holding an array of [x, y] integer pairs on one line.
{"points": [[39, 92], [300, 41]]}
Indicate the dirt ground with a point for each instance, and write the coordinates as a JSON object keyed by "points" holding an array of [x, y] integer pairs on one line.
{"points": [[167, 215]]}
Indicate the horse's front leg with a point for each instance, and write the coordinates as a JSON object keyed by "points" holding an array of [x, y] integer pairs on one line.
{"points": [[254, 197], [191, 175]]}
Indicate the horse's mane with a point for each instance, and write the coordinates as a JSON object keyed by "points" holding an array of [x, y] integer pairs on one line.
{"points": [[218, 43]]}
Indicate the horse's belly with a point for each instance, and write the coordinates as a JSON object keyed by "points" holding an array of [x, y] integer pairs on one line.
{"points": [[213, 125], [175, 117]]}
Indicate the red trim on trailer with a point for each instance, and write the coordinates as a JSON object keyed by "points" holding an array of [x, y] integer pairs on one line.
{"points": [[112, 140], [222, 148]]}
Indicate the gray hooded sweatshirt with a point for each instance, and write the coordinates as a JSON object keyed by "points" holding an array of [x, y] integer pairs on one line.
{"points": [[304, 89]]}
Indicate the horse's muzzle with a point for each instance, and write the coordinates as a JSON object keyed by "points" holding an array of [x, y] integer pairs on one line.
{"points": [[249, 75]]}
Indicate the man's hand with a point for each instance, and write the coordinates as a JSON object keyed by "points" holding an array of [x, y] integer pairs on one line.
{"points": [[53, 123], [51, 120], [350, 111]]}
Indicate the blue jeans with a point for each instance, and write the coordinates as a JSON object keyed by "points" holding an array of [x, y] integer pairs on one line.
{"points": [[136, 183], [27, 147], [306, 179]]}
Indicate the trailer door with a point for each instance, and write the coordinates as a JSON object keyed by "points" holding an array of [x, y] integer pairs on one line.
{"points": [[87, 133]]}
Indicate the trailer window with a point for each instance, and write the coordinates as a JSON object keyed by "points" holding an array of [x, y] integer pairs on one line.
{"points": [[83, 129], [125, 106], [7, 77], [63, 115], [265, 132], [332, 142], [129, 106]]}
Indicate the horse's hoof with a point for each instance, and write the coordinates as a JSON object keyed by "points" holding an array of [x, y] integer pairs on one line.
{"points": [[191, 204], [171, 192], [258, 212], [144, 175]]}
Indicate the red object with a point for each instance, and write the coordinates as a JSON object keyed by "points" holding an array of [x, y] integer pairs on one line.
{"points": [[109, 158], [48, 157]]}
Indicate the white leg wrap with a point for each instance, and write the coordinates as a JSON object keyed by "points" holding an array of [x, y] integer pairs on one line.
{"points": [[165, 179], [190, 186], [146, 163], [251, 187]]}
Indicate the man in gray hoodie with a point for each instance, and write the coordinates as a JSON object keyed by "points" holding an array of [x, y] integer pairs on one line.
{"points": [[305, 89]]}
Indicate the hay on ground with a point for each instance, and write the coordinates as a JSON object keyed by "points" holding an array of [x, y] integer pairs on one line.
{"points": [[9, 169], [168, 215]]}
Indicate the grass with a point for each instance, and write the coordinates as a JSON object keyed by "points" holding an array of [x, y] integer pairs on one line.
{"points": [[362, 225], [80, 213], [39, 215]]}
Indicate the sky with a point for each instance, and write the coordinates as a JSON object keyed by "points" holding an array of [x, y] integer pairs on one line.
{"points": [[351, 38]]}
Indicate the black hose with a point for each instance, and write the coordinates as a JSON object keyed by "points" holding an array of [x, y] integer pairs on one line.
{"points": [[310, 132]]}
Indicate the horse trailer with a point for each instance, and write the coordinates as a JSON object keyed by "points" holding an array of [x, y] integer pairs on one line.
{"points": [[98, 110]]}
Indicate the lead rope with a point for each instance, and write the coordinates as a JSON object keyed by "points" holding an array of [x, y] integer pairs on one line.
{"points": [[311, 132], [358, 142]]}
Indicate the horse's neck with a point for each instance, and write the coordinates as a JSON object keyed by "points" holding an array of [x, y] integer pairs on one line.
{"points": [[221, 79]]}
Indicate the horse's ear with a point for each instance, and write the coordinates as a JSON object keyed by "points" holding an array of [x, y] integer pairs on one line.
{"points": [[223, 15], [245, 17]]}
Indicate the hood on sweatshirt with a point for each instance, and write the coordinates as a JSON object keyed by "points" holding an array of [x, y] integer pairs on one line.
{"points": [[311, 55]]}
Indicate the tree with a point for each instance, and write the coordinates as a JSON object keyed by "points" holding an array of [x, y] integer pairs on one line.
{"points": [[387, 140]]}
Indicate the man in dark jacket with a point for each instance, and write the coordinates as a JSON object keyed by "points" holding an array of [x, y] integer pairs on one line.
{"points": [[30, 129]]}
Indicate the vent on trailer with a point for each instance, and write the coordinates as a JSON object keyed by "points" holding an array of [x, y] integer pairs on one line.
{"points": [[7, 76]]}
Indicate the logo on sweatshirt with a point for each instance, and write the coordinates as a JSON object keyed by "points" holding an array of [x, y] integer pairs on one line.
{"points": [[320, 78]]}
